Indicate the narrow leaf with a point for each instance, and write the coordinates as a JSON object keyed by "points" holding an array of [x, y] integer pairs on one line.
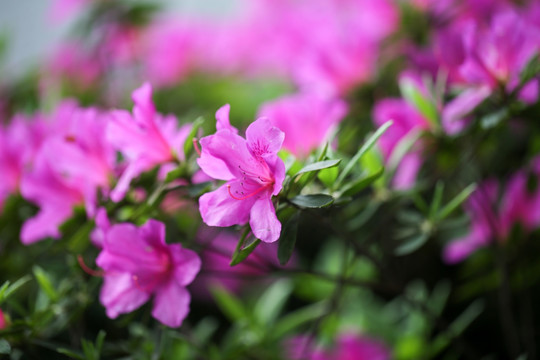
{"points": [[367, 145], [313, 201], [45, 283], [288, 239], [437, 199], [231, 306], [358, 185], [272, 301], [319, 166], [242, 250], [456, 202], [412, 244]]}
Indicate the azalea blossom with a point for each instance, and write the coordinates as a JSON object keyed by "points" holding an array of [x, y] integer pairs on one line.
{"points": [[405, 120], [138, 264], [3, 321], [253, 173], [72, 165], [146, 138], [490, 222]]}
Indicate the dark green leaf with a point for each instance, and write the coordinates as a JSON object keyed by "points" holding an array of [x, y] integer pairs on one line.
{"points": [[70, 353], [493, 119], [313, 201], [243, 249], [173, 174], [45, 283], [272, 301], [319, 166], [456, 202], [437, 199], [358, 185], [288, 239], [411, 245]]}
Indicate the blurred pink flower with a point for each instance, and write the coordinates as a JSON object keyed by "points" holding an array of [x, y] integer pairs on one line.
{"points": [[253, 171], [405, 120], [146, 138], [19, 143], [139, 264], [306, 119], [73, 164], [348, 346], [490, 222], [484, 59], [3, 321]]}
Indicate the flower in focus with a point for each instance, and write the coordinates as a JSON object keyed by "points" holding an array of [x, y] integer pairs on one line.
{"points": [[306, 119], [139, 264], [146, 139], [253, 173]]}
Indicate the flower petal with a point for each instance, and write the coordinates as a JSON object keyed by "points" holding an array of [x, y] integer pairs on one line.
{"points": [[186, 264], [263, 138], [171, 304], [120, 295], [263, 220], [219, 208]]}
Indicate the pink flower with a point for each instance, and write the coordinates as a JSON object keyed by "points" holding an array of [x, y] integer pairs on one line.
{"points": [[253, 172], [139, 264], [347, 347], [19, 142], [73, 164], [406, 119], [485, 59], [306, 119], [490, 222], [146, 139], [3, 321]]}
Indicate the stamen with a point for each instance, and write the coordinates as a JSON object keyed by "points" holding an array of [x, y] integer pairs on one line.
{"points": [[196, 146], [86, 269], [262, 188]]}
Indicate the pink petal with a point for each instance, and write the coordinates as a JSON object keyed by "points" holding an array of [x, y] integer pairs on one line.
{"points": [[120, 295], [171, 304], [45, 223], [263, 138], [263, 220], [219, 208], [187, 264], [222, 117]]}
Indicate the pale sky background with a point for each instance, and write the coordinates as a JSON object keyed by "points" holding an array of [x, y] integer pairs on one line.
{"points": [[32, 34]]}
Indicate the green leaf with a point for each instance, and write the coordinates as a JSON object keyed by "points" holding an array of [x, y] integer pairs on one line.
{"points": [[358, 185], [45, 283], [437, 199], [6, 289], [426, 107], [328, 176], [411, 245], [5, 347], [72, 354], [231, 306], [288, 239], [313, 201], [456, 202], [99, 341], [319, 166], [365, 148], [79, 241], [493, 119], [174, 174], [291, 321], [188, 144], [271, 302], [531, 69], [242, 250]]}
